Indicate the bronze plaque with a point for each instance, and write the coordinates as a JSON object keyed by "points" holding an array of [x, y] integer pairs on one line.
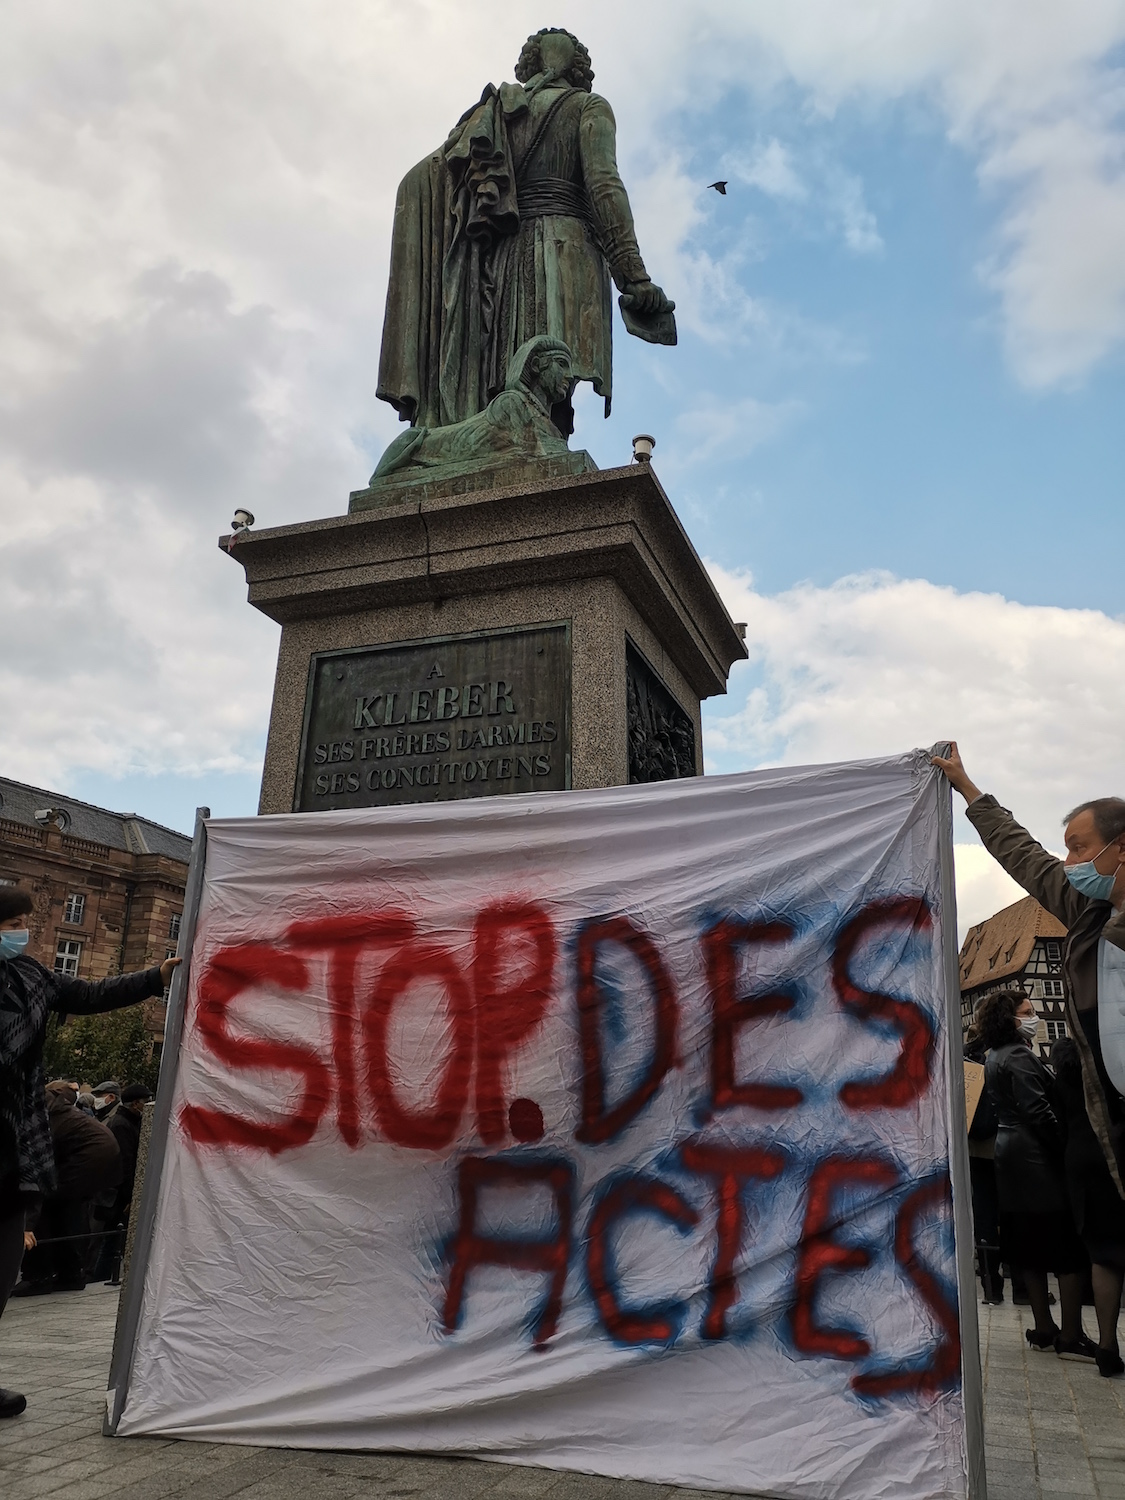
{"points": [[430, 721], [661, 735]]}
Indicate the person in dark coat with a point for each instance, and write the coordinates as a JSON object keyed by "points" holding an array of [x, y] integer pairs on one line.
{"points": [[107, 1095], [126, 1127], [28, 994], [982, 1180], [87, 1164], [1037, 1232], [112, 1209], [1097, 1206]]}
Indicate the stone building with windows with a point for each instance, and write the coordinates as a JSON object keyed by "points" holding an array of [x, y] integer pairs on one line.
{"points": [[108, 887], [1023, 944]]}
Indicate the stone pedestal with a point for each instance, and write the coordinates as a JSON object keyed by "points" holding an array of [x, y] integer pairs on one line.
{"points": [[545, 635]]}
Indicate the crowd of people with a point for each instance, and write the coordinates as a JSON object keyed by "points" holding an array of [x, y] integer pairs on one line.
{"points": [[75, 1232], [67, 1153]]}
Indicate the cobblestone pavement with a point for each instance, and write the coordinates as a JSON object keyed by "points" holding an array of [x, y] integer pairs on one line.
{"points": [[1055, 1431]]}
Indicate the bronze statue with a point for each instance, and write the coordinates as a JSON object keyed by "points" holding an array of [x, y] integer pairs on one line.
{"points": [[512, 230]]}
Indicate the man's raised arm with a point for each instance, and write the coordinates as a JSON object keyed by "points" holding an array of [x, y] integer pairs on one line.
{"points": [[1039, 872]]}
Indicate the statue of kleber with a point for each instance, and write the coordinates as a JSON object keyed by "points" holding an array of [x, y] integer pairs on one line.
{"points": [[514, 229]]}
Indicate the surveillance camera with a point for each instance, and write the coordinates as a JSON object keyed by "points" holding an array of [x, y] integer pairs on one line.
{"points": [[243, 520]]}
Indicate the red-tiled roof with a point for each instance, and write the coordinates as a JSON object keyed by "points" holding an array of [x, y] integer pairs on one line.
{"points": [[1001, 946]]}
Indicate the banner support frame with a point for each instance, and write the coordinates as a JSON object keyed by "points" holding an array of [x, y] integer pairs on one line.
{"points": [[972, 1382], [132, 1290]]}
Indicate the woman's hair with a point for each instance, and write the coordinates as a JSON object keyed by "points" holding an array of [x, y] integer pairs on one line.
{"points": [[1067, 1063], [994, 1019], [579, 75]]}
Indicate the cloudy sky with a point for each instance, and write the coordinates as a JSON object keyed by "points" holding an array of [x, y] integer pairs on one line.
{"points": [[892, 423]]}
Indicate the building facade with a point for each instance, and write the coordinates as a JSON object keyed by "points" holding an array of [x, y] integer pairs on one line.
{"points": [[1023, 944], [108, 887]]}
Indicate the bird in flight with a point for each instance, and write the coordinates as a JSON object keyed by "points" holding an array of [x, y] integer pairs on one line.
{"points": [[720, 187]]}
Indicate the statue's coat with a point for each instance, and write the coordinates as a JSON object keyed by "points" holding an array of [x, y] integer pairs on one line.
{"points": [[512, 229]]}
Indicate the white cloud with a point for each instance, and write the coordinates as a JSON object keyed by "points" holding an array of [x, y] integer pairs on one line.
{"points": [[713, 429], [1031, 91], [771, 169], [982, 887], [876, 663], [856, 221], [815, 183]]}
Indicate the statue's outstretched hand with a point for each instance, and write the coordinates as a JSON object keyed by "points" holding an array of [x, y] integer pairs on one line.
{"points": [[648, 299]]}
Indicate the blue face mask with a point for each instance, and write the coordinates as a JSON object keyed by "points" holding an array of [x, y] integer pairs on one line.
{"points": [[12, 944], [1086, 879]]}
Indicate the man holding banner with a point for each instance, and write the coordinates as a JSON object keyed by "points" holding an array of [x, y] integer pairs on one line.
{"points": [[1086, 892]]}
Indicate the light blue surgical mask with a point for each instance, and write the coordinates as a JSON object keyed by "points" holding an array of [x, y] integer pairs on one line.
{"points": [[12, 943], [1088, 881], [1029, 1026]]}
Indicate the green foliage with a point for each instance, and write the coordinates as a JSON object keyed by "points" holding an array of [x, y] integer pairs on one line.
{"points": [[90, 1048]]}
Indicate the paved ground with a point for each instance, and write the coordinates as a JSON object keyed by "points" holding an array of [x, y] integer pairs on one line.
{"points": [[1055, 1431]]}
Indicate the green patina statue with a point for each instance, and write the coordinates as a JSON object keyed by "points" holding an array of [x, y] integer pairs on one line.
{"points": [[513, 229], [515, 427]]}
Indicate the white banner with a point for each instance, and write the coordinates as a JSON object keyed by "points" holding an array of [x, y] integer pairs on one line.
{"points": [[605, 1130]]}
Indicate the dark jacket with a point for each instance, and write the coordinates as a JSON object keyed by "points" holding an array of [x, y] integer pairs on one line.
{"points": [[126, 1128], [1029, 1134], [1086, 922], [87, 1156], [28, 994], [983, 1129]]}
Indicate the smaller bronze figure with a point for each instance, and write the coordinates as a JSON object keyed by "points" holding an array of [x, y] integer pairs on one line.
{"points": [[515, 425]]}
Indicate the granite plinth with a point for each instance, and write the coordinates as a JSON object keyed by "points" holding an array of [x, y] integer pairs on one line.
{"points": [[466, 478], [603, 553]]}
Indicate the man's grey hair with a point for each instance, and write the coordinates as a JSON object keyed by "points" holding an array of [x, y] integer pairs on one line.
{"points": [[1109, 816]]}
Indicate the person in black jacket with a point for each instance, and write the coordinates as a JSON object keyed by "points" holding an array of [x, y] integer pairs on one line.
{"points": [[87, 1162], [28, 994], [112, 1209], [1037, 1233], [982, 1180], [1099, 1211]]}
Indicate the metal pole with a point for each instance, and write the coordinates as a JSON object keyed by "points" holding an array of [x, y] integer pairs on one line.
{"points": [[132, 1292], [972, 1384]]}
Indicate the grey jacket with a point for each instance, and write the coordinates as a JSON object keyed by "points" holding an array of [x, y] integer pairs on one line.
{"points": [[1042, 875]]}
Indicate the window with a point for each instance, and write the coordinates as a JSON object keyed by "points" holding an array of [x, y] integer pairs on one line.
{"points": [[67, 955], [169, 953], [1055, 1030], [1052, 989], [174, 928], [1054, 950], [74, 910]]}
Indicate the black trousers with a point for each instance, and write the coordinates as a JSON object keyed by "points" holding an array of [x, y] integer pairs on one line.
{"points": [[986, 1229], [11, 1250], [64, 1220]]}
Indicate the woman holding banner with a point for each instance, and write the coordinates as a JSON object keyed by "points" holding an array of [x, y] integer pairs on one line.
{"points": [[28, 994], [1037, 1233]]}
